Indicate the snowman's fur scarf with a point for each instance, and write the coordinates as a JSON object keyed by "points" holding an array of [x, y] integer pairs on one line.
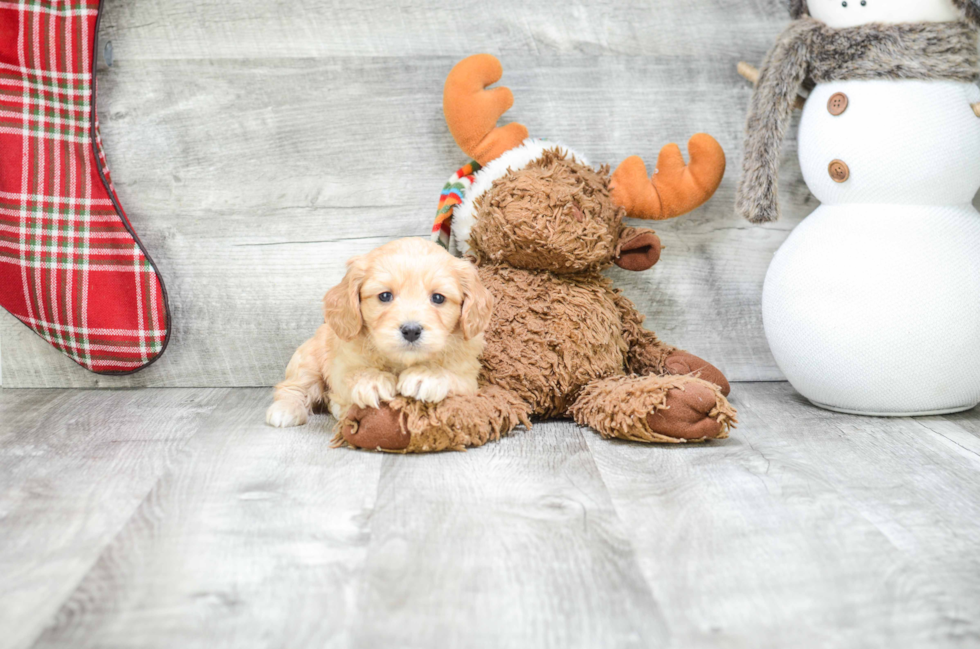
{"points": [[971, 8], [810, 52]]}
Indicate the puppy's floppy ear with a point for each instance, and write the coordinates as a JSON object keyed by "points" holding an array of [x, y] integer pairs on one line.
{"points": [[342, 303], [477, 301]]}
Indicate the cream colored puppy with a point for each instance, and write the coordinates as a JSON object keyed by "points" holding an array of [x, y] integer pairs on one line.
{"points": [[408, 318]]}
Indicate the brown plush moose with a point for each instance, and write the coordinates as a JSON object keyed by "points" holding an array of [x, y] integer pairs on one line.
{"points": [[541, 226]]}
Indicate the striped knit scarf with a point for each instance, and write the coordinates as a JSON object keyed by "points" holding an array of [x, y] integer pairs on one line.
{"points": [[453, 194]]}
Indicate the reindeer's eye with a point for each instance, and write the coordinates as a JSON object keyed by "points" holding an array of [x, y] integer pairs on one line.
{"points": [[386, 297], [438, 298]]}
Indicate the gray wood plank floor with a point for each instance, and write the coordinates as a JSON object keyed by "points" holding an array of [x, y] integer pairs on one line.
{"points": [[176, 518]]}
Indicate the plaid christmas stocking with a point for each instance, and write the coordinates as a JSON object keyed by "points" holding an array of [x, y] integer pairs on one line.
{"points": [[71, 266]]}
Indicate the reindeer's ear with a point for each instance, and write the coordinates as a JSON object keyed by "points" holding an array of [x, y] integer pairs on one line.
{"points": [[477, 301], [342, 303], [472, 111], [639, 249], [676, 188], [798, 8]]}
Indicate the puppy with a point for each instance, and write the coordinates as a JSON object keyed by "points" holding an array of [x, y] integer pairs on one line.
{"points": [[408, 318]]}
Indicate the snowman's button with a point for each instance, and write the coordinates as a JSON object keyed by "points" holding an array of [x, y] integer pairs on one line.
{"points": [[839, 171], [837, 104]]}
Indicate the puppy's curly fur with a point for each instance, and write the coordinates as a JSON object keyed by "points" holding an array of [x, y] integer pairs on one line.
{"points": [[407, 319]]}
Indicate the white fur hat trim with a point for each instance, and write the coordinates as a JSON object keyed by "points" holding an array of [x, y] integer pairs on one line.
{"points": [[464, 215]]}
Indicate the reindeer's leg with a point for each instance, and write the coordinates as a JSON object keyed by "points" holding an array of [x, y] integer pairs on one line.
{"points": [[655, 409], [455, 423], [648, 355], [682, 363]]}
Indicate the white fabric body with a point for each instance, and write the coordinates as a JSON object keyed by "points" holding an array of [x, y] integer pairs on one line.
{"points": [[464, 216], [872, 305], [912, 142]]}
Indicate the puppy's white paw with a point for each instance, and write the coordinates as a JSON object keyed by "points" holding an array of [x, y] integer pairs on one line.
{"points": [[371, 390], [286, 414], [424, 385]]}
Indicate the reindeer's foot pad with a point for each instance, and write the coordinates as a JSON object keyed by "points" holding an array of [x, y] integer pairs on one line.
{"points": [[680, 363], [454, 424], [672, 409], [378, 429], [692, 413]]}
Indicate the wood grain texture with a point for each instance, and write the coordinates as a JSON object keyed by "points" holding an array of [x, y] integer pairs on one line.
{"points": [[74, 466], [246, 29], [257, 145], [809, 528], [257, 539], [176, 518], [514, 545]]}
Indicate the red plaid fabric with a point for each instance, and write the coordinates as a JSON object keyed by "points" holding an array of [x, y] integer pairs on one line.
{"points": [[71, 267]]}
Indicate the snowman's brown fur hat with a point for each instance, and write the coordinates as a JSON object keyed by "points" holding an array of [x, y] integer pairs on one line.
{"points": [[798, 9]]}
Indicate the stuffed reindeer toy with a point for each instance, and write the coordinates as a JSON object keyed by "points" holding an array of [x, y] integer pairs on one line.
{"points": [[541, 225]]}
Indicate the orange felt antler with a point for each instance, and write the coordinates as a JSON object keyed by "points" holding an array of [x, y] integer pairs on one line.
{"points": [[675, 188], [472, 111]]}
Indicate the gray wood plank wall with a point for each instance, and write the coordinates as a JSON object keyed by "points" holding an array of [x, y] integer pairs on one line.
{"points": [[257, 145]]}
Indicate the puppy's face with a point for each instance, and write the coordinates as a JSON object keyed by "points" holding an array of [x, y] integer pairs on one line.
{"points": [[409, 298]]}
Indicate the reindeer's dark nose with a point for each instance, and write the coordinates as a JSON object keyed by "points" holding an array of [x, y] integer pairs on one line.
{"points": [[411, 331]]}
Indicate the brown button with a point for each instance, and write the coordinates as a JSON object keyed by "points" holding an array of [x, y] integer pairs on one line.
{"points": [[839, 171], [837, 103]]}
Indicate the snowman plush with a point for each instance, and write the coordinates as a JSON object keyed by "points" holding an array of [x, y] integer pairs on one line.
{"points": [[872, 305]]}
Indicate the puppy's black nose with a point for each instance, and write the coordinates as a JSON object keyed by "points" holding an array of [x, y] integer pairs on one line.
{"points": [[411, 331]]}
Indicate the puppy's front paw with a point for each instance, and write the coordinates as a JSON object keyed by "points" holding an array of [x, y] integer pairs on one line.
{"points": [[286, 414], [370, 390], [424, 385]]}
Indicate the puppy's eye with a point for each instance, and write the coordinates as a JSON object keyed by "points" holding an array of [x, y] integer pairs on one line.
{"points": [[386, 297], [438, 298]]}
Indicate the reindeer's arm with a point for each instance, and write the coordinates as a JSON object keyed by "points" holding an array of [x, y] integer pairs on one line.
{"points": [[648, 355]]}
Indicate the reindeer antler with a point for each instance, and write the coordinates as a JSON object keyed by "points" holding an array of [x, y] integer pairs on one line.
{"points": [[472, 111], [675, 188]]}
